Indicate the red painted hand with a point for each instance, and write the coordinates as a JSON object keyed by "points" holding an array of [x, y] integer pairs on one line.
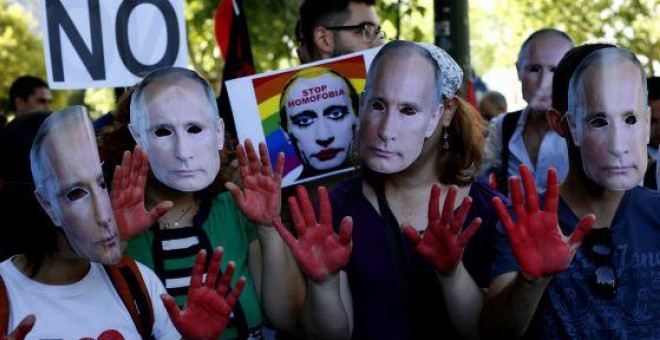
{"points": [[208, 308], [260, 198], [443, 242], [318, 251], [536, 239], [127, 196], [21, 331]]}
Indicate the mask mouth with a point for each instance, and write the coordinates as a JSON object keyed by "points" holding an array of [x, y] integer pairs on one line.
{"points": [[382, 152], [617, 168], [109, 240]]}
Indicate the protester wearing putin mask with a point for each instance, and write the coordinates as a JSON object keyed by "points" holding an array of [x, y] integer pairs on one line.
{"points": [[417, 146], [174, 117], [71, 294], [601, 267], [71, 188], [610, 124]]}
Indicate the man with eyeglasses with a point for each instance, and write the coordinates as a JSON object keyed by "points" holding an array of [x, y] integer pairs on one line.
{"points": [[336, 27], [29, 94], [560, 278]]}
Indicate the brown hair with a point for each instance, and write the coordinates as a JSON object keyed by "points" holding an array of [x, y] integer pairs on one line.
{"points": [[461, 162]]}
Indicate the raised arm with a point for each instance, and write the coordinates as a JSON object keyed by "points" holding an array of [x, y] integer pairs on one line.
{"points": [[443, 245], [209, 305], [127, 196], [280, 283], [541, 250], [321, 254]]}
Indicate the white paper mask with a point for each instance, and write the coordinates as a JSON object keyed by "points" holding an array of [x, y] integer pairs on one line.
{"points": [[174, 118], [402, 105], [70, 184], [609, 119]]}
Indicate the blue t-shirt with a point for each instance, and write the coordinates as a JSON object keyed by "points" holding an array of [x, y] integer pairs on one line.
{"points": [[570, 308]]}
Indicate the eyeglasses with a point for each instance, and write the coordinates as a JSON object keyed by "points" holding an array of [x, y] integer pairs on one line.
{"points": [[600, 249], [370, 32]]}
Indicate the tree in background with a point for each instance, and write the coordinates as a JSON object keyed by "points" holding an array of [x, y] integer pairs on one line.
{"points": [[498, 27], [21, 52], [631, 24], [271, 25]]}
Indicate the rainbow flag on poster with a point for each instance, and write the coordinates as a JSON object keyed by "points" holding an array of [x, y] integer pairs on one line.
{"points": [[268, 92], [255, 102]]}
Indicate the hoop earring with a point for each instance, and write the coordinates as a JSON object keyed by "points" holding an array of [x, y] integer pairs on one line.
{"points": [[445, 140]]}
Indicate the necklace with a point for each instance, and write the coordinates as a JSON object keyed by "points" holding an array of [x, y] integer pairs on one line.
{"points": [[175, 223]]}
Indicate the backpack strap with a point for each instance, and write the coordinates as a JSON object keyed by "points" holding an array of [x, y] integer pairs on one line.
{"points": [[129, 284], [4, 305], [509, 123]]}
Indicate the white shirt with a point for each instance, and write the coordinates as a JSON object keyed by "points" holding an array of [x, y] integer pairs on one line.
{"points": [[552, 153], [85, 309]]}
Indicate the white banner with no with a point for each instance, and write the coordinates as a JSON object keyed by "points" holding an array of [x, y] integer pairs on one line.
{"points": [[110, 43]]}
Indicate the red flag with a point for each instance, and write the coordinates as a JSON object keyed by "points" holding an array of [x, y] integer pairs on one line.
{"points": [[471, 97], [223, 19], [233, 39], [232, 36]]}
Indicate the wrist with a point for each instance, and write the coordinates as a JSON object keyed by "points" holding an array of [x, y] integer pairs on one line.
{"points": [[330, 280], [533, 280], [448, 275]]}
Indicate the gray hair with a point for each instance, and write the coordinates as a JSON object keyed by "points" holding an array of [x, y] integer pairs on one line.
{"points": [[57, 122], [601, 57], [538, 34], [407, 48], [139, 109]]}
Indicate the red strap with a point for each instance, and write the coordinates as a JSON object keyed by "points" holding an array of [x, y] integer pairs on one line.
{"points": [[139, 307], [4, 304]]}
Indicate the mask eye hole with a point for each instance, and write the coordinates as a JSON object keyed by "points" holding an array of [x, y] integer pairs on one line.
{"points": [[162, 132], [377, 106], [408, 110], [194, 129], [76, 194], [598, 122], [631, 120]]}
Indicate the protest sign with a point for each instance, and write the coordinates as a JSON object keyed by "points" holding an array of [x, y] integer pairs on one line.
{"points": [[110, 43], [308, 112]]}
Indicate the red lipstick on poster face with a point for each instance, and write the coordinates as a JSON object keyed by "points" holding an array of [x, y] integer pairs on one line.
{"points": [[327, 154]]}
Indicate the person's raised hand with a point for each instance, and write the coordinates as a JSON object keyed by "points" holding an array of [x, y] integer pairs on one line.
{"points": [[127, 196], [259, 199], [209, 305], [318, 250], [21, 331], [443, 242], [535, 238]]}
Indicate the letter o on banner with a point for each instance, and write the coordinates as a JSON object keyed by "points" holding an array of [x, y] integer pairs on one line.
{"points": [[172, 48]]}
